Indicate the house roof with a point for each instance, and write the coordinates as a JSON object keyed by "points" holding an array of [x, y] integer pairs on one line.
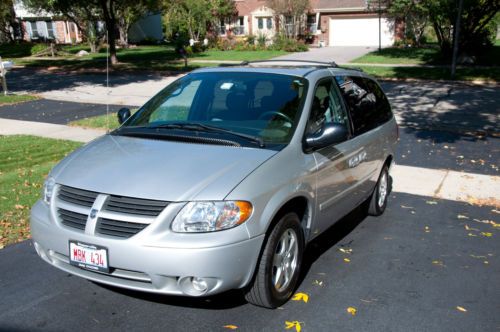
{"points": [[339, 5]]}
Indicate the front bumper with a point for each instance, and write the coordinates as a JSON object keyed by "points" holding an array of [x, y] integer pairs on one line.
{"points": [[145, 264]]}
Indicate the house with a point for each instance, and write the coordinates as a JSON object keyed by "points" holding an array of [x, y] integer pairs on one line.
{"points": [[46, 26], [327, 23]]}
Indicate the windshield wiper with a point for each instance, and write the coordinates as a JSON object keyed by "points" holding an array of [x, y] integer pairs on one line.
{"points": [[207, 128]]}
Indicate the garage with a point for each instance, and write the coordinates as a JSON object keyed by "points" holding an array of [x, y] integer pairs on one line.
{"points": [[360, 32]]}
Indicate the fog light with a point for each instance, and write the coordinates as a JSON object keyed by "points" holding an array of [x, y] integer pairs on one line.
{"points": [[199, 284]]}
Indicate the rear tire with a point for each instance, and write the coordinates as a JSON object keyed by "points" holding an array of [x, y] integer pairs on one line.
{"points": [[378, 200], [279, 266]]}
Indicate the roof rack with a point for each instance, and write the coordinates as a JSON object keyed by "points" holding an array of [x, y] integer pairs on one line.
{"points": [[312, 63]]}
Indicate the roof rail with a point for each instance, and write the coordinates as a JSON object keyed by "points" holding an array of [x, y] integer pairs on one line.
{"points": [[311, 62]]}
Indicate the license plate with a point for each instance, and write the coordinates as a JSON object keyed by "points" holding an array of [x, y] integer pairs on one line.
{"points": [[88, 256]]}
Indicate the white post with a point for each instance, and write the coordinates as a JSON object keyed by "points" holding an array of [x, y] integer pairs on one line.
{"points": [[3, 72]]}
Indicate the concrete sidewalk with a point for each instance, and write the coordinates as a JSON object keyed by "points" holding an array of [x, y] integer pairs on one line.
{"points": [[443, 184], [49, 130]]}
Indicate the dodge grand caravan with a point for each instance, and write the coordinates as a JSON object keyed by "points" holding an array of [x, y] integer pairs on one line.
{"points": [[220, 181]]}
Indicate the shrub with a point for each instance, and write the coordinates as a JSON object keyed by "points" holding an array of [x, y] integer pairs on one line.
{"points": [[37, 48], [288, 44]]}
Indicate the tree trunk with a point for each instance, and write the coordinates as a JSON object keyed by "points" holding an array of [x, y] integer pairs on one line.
{"points": [[110, 20]]}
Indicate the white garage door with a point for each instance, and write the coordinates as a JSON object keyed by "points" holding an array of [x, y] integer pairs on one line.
{"points": [[360, 32]]}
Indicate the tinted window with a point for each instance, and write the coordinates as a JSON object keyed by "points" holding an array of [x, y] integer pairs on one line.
{"points": [[326, 107], [366, 102]]}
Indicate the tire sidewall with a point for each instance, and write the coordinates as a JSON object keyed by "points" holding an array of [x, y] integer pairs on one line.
{"points": [[380, 209], [288, 221]]}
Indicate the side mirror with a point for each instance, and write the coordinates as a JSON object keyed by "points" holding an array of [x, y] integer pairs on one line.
{"points": [[123, 115], [332, 133]]}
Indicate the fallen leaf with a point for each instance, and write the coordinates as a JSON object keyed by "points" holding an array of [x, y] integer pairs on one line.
{"points": [[19, 207], [347, 251], [440, 263], [407, 207], [230, 327], [470, 234], [347, 260], [351, 310], [461, 216], [295, 324], [301, 297], [495, 211], [318, 283], [487, 234], [431, 202], [486, 262], [461, 308], [427, 229]]}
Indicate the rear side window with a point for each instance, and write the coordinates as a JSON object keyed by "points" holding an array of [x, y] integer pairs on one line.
{"points": [[367, 103]]}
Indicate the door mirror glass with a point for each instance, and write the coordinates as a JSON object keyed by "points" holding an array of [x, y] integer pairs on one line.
{"points": [[332, 133], [123, 114]]}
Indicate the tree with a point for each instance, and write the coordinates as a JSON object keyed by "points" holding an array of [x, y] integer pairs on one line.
{"points": [[292, 14], [9, 27], [87, 13], [415, 15], [195, 17], [476, 25]]}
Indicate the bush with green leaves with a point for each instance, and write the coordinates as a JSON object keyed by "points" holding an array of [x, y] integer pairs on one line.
{"points": [[38, 48]]}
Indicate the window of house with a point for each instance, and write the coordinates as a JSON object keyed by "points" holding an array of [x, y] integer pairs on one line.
{"points": [[311, 23], [50, 30], [33, 30], [222, 27], [269, 23], [260, 23], [241, 20]]}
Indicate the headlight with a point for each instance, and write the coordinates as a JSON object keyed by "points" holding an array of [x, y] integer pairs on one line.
{"points": [[48, 189], [211, 216]]}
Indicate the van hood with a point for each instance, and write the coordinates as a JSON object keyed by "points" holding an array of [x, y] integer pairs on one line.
{"points": [[156, 169]]}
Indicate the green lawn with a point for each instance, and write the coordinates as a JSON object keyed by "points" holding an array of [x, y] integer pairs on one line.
{"points": [[100, 121], [156, 57], [14, 99], [425, 55], [397, 55], [424, 73], [26, 161]]}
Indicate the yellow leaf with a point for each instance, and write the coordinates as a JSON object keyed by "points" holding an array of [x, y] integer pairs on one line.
{"points": [[487, 234], [290, 325], [461, 308], [351, 310], [347, 260], [301, 297], [431, 202], [230, 327], [470, 234], [346, 251]]}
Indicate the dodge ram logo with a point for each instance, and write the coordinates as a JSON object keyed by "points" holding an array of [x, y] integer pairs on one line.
{"points": [[93, 213]]}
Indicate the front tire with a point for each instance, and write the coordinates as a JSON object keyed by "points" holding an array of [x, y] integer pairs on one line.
{"points": [[378, 200], [279, 267]]}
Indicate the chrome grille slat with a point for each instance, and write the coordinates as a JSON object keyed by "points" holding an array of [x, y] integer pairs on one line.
{"points": [[137, 206], [118, 228], [72, 219], [77, 196]]}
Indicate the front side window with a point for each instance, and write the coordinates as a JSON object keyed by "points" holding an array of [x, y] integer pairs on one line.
{"points": [[269, 23], [266, 106], [260, 23], [326, 108]]}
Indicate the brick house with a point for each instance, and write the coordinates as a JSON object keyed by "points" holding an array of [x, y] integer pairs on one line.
{"points": [[46, 26], [328, 22]]}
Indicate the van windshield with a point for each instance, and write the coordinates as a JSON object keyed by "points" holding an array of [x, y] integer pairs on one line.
{"points": [[261, 106]]}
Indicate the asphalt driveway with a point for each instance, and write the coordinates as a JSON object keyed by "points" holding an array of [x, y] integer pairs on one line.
{"points": [[409, 270]]}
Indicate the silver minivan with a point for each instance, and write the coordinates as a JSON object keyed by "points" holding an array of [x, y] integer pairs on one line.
{"points": [[220, 181]]}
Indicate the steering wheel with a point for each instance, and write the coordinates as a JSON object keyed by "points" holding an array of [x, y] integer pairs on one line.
{"points": [[275, 113]]}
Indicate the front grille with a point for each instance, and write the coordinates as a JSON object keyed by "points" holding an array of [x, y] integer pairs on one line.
{"points": [[77, 196], [118, 228], [138, 206], [72, 219]]}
